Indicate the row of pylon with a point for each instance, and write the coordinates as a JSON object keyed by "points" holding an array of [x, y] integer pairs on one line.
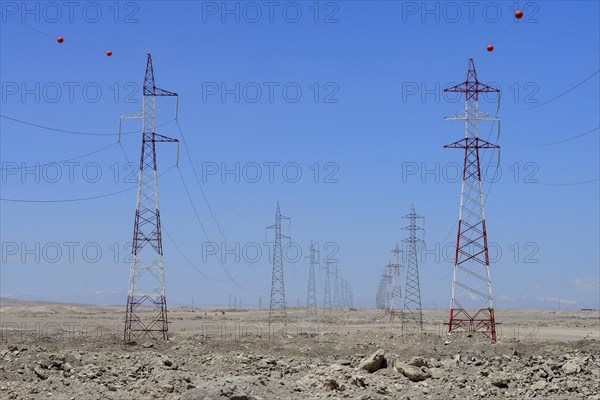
{"points": [[471, 304], [342, 292], [389, 295], [471, 275]]}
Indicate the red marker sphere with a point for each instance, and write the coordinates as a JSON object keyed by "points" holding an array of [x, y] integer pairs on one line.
{"points": [[490, 48], [109, 53], [518, 14], [60, 39]]}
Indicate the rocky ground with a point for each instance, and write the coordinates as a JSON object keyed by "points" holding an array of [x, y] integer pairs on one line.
{"points": [[75, 352]]}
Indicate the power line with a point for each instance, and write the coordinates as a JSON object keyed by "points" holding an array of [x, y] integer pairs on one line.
{"points": [[206, 235], [560, 141], [188, 193], [76, 199], [560, 95], [60, 162], [187, 151], [203, 230], [188, 261], [569, 183], [74, 132], [67, 42], [208, 206]]}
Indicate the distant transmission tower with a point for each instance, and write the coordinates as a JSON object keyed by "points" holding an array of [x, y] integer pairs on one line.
{"points": [[380, 298], [311, 298], [472, 305], [336, 288], [412, 294], [277, 307], [393, 290], [327, 291], [146, 277], [347, 294]]}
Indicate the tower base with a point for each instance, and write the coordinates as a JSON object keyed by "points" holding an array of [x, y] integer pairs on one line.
{"points": [[156, 326], [481, 322]]}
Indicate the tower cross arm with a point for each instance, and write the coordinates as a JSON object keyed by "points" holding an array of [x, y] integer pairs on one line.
{"points": [[478, 115], [154, 91], [162, 138], [471, 143], [135, 115], [472, 86], [150, 88]]}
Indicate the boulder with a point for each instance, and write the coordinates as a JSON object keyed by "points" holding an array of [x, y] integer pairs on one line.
{"points": [[539, 385], [571, 367], [374, 362], [418, 362], [40, 372], [415, 374], [499, 379], [330, 384]]}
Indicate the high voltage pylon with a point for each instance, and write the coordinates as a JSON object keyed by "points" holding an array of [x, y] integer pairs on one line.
{"points": [[393, 289], [380, 297], [336, 288], [277, 308], [146, 277], [327, 290], [311, 297], [349, 295], [472, 305], [412, 313]]}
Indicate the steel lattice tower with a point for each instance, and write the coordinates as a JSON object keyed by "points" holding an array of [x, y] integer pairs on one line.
{"points": [[146, 277], [472, 306], [351, 299], [380, 297], [327, 291], [336, 288], [311, 297], [392, 286], [412, 294], [277, 308]]}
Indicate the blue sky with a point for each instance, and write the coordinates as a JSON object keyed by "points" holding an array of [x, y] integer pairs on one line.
{"points": [[348, 94]]}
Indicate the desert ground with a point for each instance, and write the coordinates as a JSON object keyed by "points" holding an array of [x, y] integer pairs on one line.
{"points": [[67, 351]]}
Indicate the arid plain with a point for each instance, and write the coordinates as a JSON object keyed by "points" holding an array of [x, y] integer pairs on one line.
{"points": [[68, 351]]}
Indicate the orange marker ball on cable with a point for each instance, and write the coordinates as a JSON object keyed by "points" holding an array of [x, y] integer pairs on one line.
{"points": [[490, 48], [60, 39], [109, 53], [518, 14]]}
